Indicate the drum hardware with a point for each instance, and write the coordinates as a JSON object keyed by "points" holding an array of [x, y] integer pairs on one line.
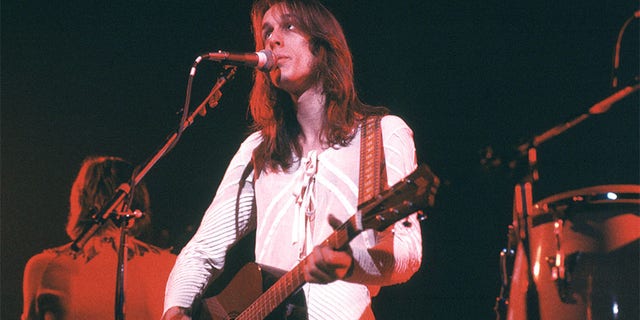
{"points": [[577, 252], [557, 270], [517, 233], [563, 275], [522, 208], [507, 257], [560, 272]]}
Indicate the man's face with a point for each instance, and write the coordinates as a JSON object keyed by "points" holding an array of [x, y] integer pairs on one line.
{"points": [[295, 62]]}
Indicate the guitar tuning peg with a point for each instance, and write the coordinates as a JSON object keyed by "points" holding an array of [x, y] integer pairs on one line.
{"points": [[380, 217], [421, 215]]}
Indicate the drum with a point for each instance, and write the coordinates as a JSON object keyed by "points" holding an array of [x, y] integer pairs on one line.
{"points": [[580, 257]]}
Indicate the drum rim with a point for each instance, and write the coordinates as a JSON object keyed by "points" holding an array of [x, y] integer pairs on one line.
{"points": [[593, 190]]}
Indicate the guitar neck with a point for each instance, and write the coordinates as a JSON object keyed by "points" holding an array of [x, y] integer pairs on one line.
{"points": [[294, 279]]}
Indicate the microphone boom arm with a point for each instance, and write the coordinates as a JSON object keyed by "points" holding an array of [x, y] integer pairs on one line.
{"points": [[123, 190], [515, 161], [598, 108]]}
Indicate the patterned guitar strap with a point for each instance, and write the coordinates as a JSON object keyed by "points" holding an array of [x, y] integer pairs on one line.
{"points": [[373, 173]]}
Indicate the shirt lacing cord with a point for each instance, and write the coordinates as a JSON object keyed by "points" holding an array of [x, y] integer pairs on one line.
{"points": [[305, 204]]}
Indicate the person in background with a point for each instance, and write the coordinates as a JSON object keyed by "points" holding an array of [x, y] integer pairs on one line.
{"points": [[60, 283], [305, 153]]}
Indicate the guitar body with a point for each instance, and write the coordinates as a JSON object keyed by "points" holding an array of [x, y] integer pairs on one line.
{"points": [[245, 287]]}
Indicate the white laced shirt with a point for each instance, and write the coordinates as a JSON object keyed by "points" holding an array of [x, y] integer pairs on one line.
{"points": [[292, 217]]}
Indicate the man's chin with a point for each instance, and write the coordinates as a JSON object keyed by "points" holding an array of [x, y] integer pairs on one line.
{"points": [[275, 77]]}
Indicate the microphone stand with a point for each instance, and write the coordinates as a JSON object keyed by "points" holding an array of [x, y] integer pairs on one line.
{"points": [[123, 191], [122, 248], [122, 251]]}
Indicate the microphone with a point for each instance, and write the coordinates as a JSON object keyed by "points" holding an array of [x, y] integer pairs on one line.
{"points": [[263, 60], [616, 50]]}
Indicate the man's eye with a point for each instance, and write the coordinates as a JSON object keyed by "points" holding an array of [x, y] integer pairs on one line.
{"points": [[290, 27]]}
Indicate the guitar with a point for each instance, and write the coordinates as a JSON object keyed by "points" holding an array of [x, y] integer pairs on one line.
{"points": [[412, 194]]}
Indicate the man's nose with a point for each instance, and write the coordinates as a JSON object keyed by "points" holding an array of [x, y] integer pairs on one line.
{"points": [[275, 40]]}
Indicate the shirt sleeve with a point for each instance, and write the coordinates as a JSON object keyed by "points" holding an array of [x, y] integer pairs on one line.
{"points": [[204, 255], [397, 252]]}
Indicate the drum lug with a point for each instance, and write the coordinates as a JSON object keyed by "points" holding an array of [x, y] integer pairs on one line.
{"points": [[562, 274], [557, 263], [561, 269]]}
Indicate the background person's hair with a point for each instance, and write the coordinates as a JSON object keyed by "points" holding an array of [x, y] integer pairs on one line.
{"points": [[271, 108], [95, 184]]}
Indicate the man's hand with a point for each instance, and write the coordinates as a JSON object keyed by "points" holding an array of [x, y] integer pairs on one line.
{"points": [[325, 265]]}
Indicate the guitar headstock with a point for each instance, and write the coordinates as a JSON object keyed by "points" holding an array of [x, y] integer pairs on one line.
{"points": [[414, 193]]}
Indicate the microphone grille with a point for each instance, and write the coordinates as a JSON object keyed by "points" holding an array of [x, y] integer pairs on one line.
{"points": [[266, 60]]}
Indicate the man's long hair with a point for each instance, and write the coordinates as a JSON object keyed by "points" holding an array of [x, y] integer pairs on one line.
{"points": [[95, 184], [272, 109]]}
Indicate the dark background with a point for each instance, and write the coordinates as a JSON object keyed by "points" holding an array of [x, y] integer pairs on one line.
{"points": [[96, 77]]}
